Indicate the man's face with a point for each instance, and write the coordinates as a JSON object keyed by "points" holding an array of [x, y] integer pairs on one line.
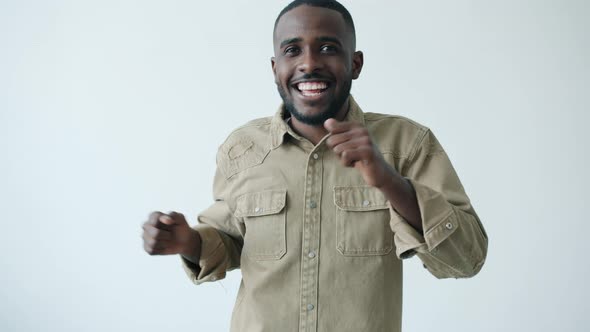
{"points": [[314, 63]]}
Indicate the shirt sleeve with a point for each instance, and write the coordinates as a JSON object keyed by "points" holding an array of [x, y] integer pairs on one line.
{"points": [[221, 238], [454, 243]]}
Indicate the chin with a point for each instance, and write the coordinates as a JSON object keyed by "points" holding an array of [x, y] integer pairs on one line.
{"points": [[312, 116]]}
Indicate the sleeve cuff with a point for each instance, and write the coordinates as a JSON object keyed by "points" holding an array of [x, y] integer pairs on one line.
{"points": [[438, 222], [210, 267]]}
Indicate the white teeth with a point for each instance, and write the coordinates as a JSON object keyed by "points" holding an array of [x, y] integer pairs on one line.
{"points": [[310, 94], [312, 86]]}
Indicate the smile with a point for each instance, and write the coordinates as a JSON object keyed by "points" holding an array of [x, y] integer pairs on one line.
{"points": [[312, 89]]}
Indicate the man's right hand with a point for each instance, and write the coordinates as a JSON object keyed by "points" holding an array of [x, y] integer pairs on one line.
{"points": [[169, 234]]}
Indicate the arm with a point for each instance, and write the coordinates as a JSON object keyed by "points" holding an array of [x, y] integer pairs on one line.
{"points": [[209, 249], [453, 242], [221, 238], [352, 143], [430, 213]]}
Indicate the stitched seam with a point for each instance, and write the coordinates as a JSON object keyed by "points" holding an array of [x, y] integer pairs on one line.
{"points": [[418, 143], [438, 225], [248, 213], [235, 170]]}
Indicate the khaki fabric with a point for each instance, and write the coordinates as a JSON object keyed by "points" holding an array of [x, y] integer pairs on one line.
{"points": [[318, 249]]}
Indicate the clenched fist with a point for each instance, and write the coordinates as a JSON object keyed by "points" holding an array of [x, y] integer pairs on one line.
{"points": [[353, 145], [168, 234]]}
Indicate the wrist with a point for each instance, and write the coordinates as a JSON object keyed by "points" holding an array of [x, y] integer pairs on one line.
{"points": [[390, 180], [192, 249]]}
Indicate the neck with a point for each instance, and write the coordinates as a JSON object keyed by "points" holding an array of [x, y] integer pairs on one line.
{"points": [[315, 133]]}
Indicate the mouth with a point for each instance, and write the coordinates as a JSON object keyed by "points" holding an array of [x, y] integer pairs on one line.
{"points": [[312, 89]]}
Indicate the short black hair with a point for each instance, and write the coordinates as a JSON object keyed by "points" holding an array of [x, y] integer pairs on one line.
{"points": [[330, 4]]}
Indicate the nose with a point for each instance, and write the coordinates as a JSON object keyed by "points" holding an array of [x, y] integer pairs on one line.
{"points": [[310, 63]]}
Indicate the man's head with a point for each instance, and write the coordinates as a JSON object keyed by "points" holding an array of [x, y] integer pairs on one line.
{"points": [[315, 59], [329, 4]]}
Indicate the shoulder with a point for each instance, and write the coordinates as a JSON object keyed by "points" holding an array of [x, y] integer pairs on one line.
{"points": [[245, 146], [396, 121], [251, 129], [396, 134]]}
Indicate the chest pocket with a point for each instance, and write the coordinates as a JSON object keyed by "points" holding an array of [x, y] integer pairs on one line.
{"points": [[362, 221], [263, 214]]}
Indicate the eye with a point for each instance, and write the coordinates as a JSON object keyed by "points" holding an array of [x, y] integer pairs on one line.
{"points": [[291, 50], [328, 49]]}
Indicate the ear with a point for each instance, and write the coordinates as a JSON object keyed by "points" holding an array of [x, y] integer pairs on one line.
{"points": [[357, 64], [273, 65]]}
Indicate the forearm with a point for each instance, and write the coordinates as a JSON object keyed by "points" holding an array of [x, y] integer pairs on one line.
{"points": [[192, 251], [216, 254], [401, 195], [463, 253]]}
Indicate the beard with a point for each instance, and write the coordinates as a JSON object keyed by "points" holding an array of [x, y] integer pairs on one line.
{"points": [[317, 120]]}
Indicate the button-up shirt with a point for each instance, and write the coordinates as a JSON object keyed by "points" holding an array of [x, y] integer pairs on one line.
{"points": [[319, 249]]}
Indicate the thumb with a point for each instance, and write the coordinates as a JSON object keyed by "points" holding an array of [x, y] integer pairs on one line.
{"points": [[330, 124], [167, 220]]}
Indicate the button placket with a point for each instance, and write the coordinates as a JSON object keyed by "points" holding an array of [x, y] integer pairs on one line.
{"points": [[311, 225]]}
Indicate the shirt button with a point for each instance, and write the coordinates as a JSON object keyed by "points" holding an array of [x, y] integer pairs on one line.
{"points": [[311, 254], [257, 209], [449, 225], [315, 156], [313, 205], [365, 203], [310, 307]]}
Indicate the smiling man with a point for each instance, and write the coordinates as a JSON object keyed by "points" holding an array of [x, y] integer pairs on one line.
{"points": [[319, 205]]}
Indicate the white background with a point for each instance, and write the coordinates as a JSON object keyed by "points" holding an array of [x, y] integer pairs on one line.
{"points": [[112, 109]]}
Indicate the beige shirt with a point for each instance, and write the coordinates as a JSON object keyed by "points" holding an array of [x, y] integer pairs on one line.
{"points": [[320, 250]]}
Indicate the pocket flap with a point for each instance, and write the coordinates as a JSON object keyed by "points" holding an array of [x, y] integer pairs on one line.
{"points": [[260, 203], [359, 198]]}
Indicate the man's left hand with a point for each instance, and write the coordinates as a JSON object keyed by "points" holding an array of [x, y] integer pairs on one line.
{"points": [[353, 145]]}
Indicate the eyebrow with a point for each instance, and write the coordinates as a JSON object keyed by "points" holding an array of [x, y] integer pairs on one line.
{"points": [[329, 39], [320, 39], [290, 41]]}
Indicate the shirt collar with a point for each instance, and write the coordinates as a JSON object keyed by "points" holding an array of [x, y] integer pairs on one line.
{"points": [[279, 126]]}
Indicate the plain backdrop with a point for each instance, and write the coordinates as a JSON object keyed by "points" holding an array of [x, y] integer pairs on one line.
{"points": [[112, 109]]}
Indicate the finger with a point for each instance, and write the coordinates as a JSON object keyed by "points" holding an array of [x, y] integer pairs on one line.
{"points": [[169, 220], [336, 139], [177, 217], [148, 240], [149, 244], [154, 249], [148, 249], [157, 233], [352, 144], [335, 127], [169, 250], [349, 157], [164, 222], [339, 138], [153, 218]]}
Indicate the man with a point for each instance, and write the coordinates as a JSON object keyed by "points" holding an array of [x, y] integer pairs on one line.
{"points": [[318, 204]]}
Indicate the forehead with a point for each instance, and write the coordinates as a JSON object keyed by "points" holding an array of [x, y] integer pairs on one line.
{"points": [[308, 21]]}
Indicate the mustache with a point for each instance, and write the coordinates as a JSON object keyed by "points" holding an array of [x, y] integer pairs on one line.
{"points": [[311, 77]]}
